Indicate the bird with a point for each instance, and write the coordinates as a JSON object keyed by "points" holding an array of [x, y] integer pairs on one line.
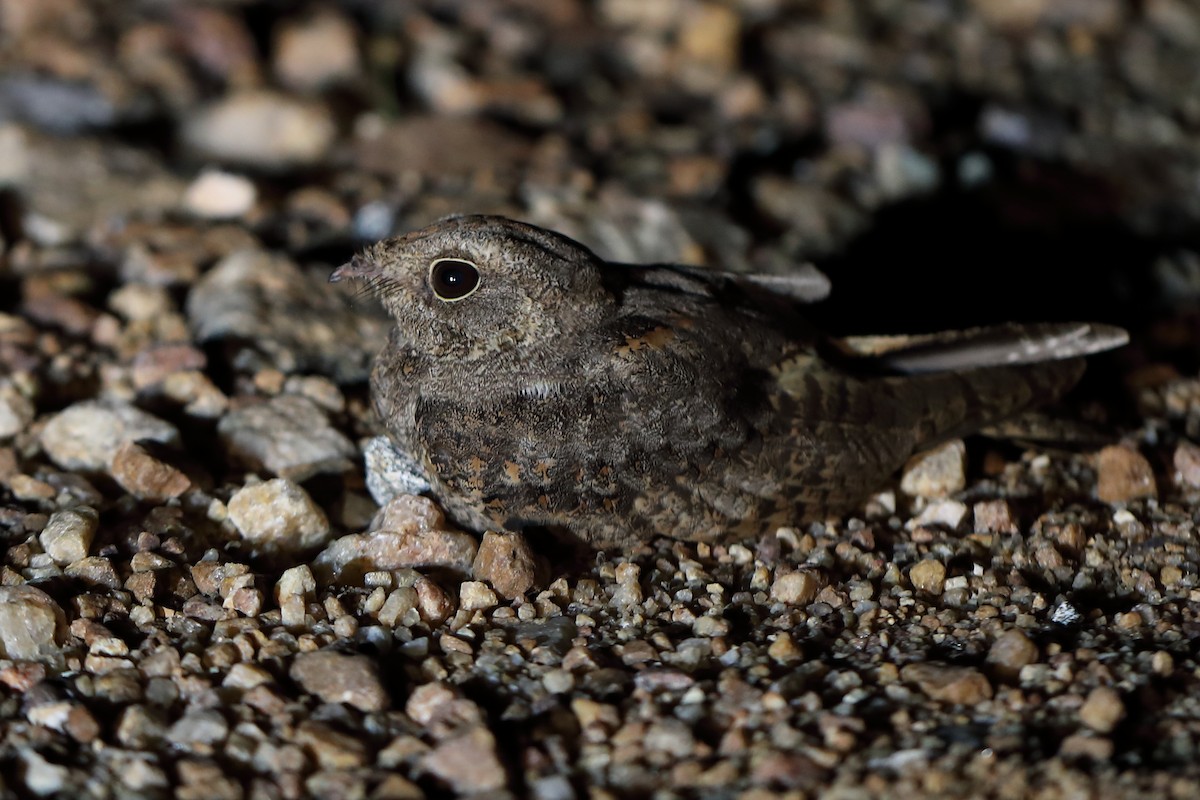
{"points": [[537, 385]]}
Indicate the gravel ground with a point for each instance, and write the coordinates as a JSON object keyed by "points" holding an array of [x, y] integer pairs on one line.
{"points": [[200, 596]]}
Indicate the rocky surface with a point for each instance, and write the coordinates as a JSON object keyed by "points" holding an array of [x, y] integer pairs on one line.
{"points": [[217, 581]]}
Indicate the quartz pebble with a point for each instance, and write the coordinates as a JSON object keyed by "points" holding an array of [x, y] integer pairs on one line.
{"points": [[1187, 464], [32, 625], [287, 436], [85, 436], [340, 678], [260, 128], [795, 588], [928, 576], [216, 194], [1102, 710], [279, 517], [68, 534], [936, 473]]}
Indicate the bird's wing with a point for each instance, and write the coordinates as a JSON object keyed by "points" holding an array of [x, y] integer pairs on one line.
{"points": [[1013, 344], [806, 284]]}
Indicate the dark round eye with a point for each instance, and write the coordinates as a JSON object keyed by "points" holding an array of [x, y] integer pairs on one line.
{"points": [[453, 278]]}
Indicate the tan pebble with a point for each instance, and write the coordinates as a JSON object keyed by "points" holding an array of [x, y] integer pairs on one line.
{"points": [[68, 534], [1011, 651], [994, 516], [961, 685], [936, 473], [1123, 474], [1077, 745], [928, 576], [25, 487], [506, 561], [468, 762], [796, 588], [475, 595], [145, 476], [1187, 464], [279, 517], [784, 649], [1102, 710], [340, 678]]}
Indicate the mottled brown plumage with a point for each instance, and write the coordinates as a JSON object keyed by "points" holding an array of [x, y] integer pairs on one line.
{"points": [[538, 385]]}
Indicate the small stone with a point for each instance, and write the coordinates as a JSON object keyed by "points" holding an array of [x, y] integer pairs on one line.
{"points": [[316, 52], [928, 576], [468, 763], [506, 561], [1011, 652], [68, 534], [347, 559], [795, 588], [16, 411], [153, 365], [1078, 745], [198, 730], [261, 129], [279, 517], [994, 516], [948, 514], [86, 435], [784, 649], [1123, 474], [1102, 710], [331, 749], [400, 608], [433, 603], [40, 776], [146, 476], [216, 194], [959, 685], [288, 436], [1187, 464], [340, 678], [391, 473], [476, 596]]}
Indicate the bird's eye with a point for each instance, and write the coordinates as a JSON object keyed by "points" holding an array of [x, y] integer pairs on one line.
{"points": [[453, 278]]}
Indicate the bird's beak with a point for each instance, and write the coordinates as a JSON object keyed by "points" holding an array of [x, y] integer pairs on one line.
{"points": [[354, 269]]}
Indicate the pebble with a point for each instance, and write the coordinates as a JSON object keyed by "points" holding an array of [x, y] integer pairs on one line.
{"points": [[85, 436], [315, 52], [68, 534], [960, 685], [260, 129], [16, 411], [1102, 710], [1187, 464], [198, 730], [32, 625], [795, 588], [278, 517], [928, 576], [994, 516], [145, 476], [216, 194], [348, 558], [1010, 653], [340, 678], [476, 596], [390, 472], [288, 436], [1123, 474], [506, 561], [468, 763], [948, 514]]}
